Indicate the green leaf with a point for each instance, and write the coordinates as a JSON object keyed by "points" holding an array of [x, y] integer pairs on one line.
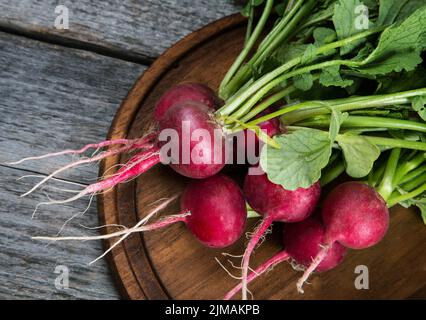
{"points": [[336, 121], [324, 36], [389, 11], [330, 76], [299, 161], [310, 54], [419, 105], [409, 8], [359, 153], [399, 47], [349, 21], [303, 82]]}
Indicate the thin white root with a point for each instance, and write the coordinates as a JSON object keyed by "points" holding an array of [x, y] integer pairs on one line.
{"points": [[54, 179], [231, 255], [140, 223], [52, 202], [77, 151], [75, 164], [315, 263], [239, 267], [112, 225], [226, 270], [75, 216]]}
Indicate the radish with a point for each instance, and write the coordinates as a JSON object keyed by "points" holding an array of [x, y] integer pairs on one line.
{"points": [[187, 110], [213, 209], [249, 151], [183, 92], [274, 203], [354, 215], [302, 242], [195, 159]]}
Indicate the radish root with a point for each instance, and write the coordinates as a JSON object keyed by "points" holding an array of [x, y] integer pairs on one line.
{"points": [[265, 267], [315, 263], [125, 232], [257, 235], [137, 143]]}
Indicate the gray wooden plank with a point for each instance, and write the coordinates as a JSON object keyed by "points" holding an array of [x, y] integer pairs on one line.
{"points": [[54, 98], [141, 28], [27, 266]]}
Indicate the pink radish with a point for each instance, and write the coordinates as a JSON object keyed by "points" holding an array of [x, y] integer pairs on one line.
{"points": [[302, 242], [250, 150], [195, 92], [354, 215], [274, 203], [192, 106], [204, 157], [213, 209]]}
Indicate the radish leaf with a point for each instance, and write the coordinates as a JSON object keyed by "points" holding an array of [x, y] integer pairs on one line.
{"points": [[303, 82], [299, 161], [419, 105], [346, 15], [399, 47], [359, 153], [330, 76], [389, 10]]}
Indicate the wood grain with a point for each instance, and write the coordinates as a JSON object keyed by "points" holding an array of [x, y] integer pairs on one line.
{"points": [[54, 98], [170, 264], [134, 29], [27, 267]]}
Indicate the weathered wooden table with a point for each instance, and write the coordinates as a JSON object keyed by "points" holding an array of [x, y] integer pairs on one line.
{"points": [[59, 89]]}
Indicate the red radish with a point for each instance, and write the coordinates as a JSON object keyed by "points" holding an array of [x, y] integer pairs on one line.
{"points": [[302, 242], [195, 92], [354, 215], [197, 159], [250, 150], [274, 203], [218, 210], [192, 105], [213, 209]]}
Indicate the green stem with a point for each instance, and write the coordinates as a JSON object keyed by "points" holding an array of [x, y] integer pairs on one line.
{"points": [[277, 37], [397, 143], [251, 42], [413, 174], [249, 24], [415, 183], [228, 108], [279, 80], [407, 196], [365, 121], [386, 186], [408, 166], [332, 173], [269, 102], [309, 109], [376, 175]]}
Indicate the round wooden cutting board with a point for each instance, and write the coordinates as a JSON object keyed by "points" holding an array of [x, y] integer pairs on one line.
{"points": [[171, 264]]}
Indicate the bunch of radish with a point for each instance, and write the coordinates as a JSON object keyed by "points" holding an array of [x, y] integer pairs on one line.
{"points": [[270, 99]]}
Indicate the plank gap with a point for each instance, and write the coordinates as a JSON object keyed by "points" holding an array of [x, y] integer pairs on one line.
{"points": [[78, 44], [43, 175]]}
